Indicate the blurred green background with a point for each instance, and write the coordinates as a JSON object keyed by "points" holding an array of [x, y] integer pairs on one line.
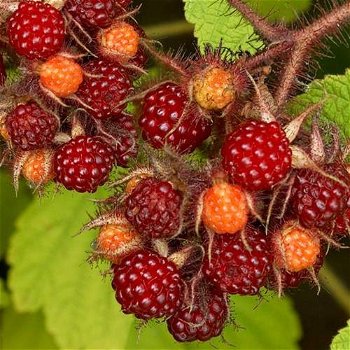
{"points": [[51, 298]]}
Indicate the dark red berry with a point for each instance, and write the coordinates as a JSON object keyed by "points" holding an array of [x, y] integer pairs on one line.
{"points": [[92, 13], [121, 127], [30, 127], [233, 268], [36, 30], [104, 88], [147, 285], [257, 155], [2, 72], [83, 164], [153, 208], [203, 321], [318, 200], [162, 112]]}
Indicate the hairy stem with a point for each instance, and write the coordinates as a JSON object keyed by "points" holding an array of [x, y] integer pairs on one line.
{"points": [[335, 287], [267, 30], [305, 39]]}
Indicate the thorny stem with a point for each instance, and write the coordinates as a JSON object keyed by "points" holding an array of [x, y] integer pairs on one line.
{"points": [[304, 39], [335, 287], [298, 43], [267, 30]]}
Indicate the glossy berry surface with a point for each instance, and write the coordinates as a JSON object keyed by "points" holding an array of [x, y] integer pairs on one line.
{"points": [[295, 248], [153, 208], [162, 112], [120, 40], [61, 75], [147, 285], [225, 208], [318, 200], [203, 321], [92, 13], [106, 85], [257, 155], [83, 164], [30, 127], [36, 30], [234, 269]]}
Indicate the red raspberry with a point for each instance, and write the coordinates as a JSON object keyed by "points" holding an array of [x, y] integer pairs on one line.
{"points": [[318, 200], [122, 128], [30, 127], [257, 155], [342, 224], [201, 322], [2, 72], [36, 30], [153, 208], [83, 164], [106, 85], [233, 268], [92, 13], [162, 109], [147, 285]]}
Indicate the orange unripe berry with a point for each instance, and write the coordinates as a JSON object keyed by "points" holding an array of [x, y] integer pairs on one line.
{"points": [[38, 167], [61, 75], [120, 39], [225, 208], [117, 240], [3, 132], [213, 89], [297, 248]]}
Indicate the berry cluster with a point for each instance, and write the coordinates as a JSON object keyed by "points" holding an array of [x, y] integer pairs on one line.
{"points": [[180, 236]]}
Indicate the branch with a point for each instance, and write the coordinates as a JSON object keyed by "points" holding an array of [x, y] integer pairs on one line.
{"points": [[305, 39], [267, 30]]}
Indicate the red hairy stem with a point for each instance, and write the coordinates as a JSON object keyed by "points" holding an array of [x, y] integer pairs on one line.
{"points": [[267, 30], [304, 40]]}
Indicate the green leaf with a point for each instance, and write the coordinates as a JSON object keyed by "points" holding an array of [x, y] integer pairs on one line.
{"points": [[334, 92], [10, 207], [215, 21], [50, 273], [342, 340], [24, 331]]}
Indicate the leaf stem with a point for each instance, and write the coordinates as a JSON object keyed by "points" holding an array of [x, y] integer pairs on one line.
{"points": [[162, 30], [335, 286]]}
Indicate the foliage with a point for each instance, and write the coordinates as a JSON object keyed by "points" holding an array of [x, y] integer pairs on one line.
{"points": [[342, 340]]}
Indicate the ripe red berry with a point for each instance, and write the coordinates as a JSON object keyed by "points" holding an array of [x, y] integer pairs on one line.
{"points": [[36, 30], [203, 321], [225, 208], [92, 13], [30, 127], [161, 112], [2, 72], [234, 269], [318, 200], [257, 155], [147, 285], [106, 85], [341, 225], [61, 75], [153, 208], [84, 163]]}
